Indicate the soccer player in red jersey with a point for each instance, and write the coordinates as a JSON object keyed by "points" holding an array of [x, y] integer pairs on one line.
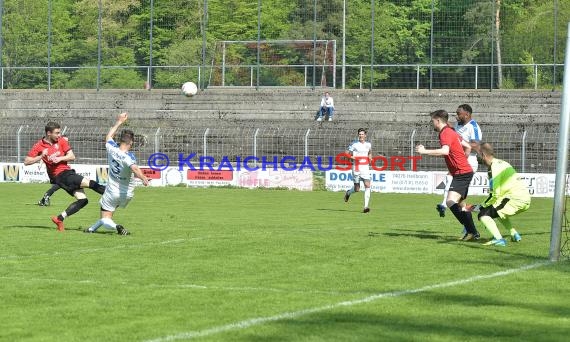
{"points": [[455, 151], [55, 153]]}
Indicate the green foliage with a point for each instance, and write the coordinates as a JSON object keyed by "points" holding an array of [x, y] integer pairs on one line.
{"points": [[401, 32], [463, 33], [533, 31]]}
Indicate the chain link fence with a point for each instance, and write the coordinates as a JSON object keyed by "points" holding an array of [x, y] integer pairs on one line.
{"points": [[370, 44], [528, 149]]}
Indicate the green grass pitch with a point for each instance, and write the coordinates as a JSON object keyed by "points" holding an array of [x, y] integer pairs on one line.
{"points": [[272, 265]]}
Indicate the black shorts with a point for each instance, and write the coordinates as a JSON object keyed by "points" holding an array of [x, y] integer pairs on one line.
{"points": [[460, 184], [69, 181]]}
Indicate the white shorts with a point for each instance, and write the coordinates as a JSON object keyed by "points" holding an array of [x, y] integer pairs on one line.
{"points": [[360, 176], [110, 202]]}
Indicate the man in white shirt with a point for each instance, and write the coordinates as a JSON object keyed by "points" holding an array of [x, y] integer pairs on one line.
{"points": [[120, 185], [327, 107], [360, 152]]}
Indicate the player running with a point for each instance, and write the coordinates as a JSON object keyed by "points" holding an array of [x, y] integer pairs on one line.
{"points": [[360, 151], [454, 150], [55, 152]]}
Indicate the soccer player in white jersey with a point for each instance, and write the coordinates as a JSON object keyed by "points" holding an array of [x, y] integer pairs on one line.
{"points": [[470, 132], [120, 185], [360, 152]]}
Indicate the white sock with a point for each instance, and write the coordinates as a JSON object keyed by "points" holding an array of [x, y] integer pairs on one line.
{"points": [[366, 197], [95, 226], [351, 191], [109, 224], [448, 179]]}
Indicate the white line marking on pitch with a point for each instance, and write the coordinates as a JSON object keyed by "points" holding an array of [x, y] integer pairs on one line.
{"points": [[181, 286], [93, 250], [296, 314]]}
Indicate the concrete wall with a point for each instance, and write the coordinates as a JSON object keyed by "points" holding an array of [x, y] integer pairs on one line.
{"points": [[294, 108]]}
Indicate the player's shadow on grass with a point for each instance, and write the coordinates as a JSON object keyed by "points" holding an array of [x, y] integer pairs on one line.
{"points": [[72, 229], [507, 250], [35, 227], [419, 234], [536, 233], [329, 209]]}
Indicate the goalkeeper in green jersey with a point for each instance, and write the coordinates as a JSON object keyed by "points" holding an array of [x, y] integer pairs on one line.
{"points": [[508, 196]]}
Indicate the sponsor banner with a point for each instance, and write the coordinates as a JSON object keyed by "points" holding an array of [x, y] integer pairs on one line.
{"points": [[299, 180], [384, 181], [10, 172], [102, 176], [409, 182], [154, 176], [102, 173], [542, 185], [88, 171], [35, 173], [210, 177], [336, 180], [479, 184], [539, 185], [151, 173]]}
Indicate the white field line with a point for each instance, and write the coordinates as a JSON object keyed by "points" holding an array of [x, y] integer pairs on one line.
{"points": [[296, 314], [181, 286], [93, 250]]}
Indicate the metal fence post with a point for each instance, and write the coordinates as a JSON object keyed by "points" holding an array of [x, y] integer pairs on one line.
{"points": [[255, 142], [535, 76], [476, 75], [223, 64], [360, 76], [523, 152], [307, 142], [412, 136], [19, 144], [418, 77], [157, 141], [206, 141]]}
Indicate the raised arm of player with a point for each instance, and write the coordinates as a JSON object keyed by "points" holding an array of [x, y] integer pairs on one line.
{"points": [[120, 120]]}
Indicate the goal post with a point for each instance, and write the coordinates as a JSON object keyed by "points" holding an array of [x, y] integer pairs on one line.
{"points": [[285, 63], [560, 188]]}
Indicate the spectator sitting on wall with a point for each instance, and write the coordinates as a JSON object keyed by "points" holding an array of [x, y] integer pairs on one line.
{"points": [[327, 107]]}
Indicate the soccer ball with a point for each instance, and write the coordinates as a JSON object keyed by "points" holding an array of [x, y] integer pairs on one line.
{"points": [[189, 89]]}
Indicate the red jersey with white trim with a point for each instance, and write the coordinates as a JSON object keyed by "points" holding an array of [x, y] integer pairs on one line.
{"points": [[456, 160], [59, 149]]}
